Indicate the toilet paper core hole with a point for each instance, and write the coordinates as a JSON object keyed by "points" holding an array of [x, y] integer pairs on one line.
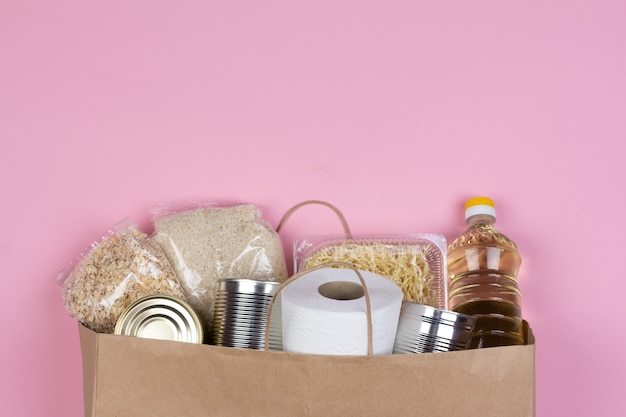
{"points": [[341, 290]]}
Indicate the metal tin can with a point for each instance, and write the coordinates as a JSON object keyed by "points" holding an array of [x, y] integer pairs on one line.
{"points": [[423, 329], [162, 317], [241, 309]]}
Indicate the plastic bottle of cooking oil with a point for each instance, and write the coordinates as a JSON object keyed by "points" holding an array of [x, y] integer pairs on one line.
{"points": [[483, 265]]}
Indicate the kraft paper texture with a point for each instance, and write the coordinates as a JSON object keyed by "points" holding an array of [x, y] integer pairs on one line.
{"points": [[134, 377]]}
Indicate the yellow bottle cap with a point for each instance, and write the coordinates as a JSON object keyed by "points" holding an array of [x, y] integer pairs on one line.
{"points": [[479, 205]]}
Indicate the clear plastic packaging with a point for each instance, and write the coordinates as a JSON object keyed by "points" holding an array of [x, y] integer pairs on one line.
{"points": [[110, 274], [415, 262], [206, 241]]}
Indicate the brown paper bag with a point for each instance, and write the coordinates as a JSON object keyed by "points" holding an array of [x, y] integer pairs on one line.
{"points": [[127, 376], [133, 377]]}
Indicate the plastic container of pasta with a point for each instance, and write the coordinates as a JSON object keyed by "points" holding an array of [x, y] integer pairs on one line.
{"points": [[415, 262]]}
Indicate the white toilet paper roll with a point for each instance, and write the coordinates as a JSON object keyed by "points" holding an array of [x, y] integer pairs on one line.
{"points": [[324, 312]]}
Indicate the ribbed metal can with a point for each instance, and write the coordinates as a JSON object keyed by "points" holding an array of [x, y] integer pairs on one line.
{"points": [[423, 329], [241, 313]]}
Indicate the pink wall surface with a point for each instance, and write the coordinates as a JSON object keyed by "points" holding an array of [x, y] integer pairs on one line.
{"points": [[394, 111]]}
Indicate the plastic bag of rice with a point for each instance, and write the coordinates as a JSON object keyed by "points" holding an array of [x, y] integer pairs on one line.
{"points": [[124, 265], [209, 241]]}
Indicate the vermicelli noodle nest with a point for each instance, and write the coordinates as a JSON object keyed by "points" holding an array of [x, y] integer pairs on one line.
{"points": [[405, 264]]}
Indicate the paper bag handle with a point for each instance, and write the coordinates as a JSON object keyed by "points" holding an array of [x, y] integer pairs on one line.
{"points": [[368, 304], [342, 219]]}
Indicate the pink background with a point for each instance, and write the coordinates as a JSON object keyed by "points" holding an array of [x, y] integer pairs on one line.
{"points": [[394, 111]]}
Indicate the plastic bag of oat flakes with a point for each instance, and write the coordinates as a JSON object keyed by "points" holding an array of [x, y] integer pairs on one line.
{"points": [[110, 274]]}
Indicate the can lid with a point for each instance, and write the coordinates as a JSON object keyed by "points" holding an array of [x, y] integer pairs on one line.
{"points": [[480, 205], [161, 316], [247, 286]]}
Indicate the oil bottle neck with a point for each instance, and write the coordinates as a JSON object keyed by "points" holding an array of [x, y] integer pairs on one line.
{"points": [[480, 219]]}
